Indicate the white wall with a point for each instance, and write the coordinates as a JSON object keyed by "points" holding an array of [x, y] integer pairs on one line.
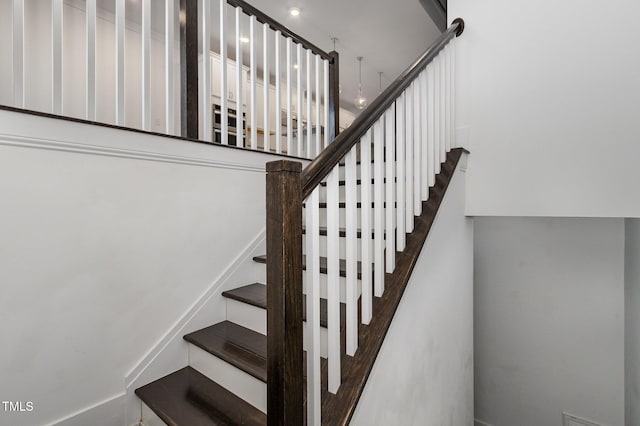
{"points": [[632, 322], [549, 320], [550, 92], [107, 238], [424, 372]]}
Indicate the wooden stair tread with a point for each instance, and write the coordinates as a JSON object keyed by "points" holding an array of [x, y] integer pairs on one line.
{"points": [[187, 397], [256, 295], [323, 264], [237, 345]]}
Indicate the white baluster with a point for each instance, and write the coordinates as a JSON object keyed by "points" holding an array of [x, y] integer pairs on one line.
{"points": [[351, 254], [436, 115], [447, 98], [378, 210], [266, 83], [56, 56], [309, 141], [333, 280], [253, 89], [325, 103], [224, 93], [169, 30], [120, 55], [18, 54], [431, 137], [409, 159], [390, 164], [312, 216], [206, 128], [278, 116], [299, 99], [454, 143], [424, 114], [443, 109], [417, 152], [145, 61], [400, 174], [289, 111], [365, 227], [317, 118], [90, 111], [239, 83]]}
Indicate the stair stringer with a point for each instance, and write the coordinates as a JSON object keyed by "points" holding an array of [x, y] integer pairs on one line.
{"points": [[171, 352]]}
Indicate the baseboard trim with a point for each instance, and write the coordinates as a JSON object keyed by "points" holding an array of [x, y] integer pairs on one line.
{"points": [[477, 422], [107, 412], [177, 330]]}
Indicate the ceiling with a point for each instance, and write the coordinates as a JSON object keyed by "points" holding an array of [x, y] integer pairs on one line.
{"points": [[388, 34]]}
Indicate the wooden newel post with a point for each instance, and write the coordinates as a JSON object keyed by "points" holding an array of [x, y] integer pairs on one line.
{"points": [[284, 294]]}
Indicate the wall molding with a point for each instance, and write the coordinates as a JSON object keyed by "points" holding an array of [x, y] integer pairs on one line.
{"points": [[94, 414], [81, 148], [177, 330]]}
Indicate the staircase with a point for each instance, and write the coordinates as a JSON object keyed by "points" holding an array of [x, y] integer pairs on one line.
{"points": [[225, 382]]}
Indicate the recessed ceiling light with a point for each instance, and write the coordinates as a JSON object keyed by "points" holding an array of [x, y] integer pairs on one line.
{"points": [[294, 11], [244, 39], [295, 66]]}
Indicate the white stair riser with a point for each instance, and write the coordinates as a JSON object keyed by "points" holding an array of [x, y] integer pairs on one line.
{"points": [[149, 417], [255, 318], [236, 381]]}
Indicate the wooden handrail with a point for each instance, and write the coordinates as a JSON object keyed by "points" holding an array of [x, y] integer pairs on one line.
{"points": [[275, 25], [322, 165]]}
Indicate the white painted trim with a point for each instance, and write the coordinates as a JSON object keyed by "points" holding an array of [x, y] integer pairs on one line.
{"points": [[178, 329], [90, 415], [477, 422], [81, 148], [566, 418]]}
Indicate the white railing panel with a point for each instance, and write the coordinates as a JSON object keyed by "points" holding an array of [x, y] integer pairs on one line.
{"points": [[378, 209], [299, 107], [169, 40], [317, 149], [325, 103], [90, 66], [443, 108], [289, 100], [266, 83], [390, 165], [18, 54], [312, 225], [120, 62], [417, 145], [365, 228], [239, 81], [431, 134], [436, 117], [409, 159], [146, 66], [254, 88], [278, 127], [400, 172], [308, 148], [56, 55], [333, 280], [351, 255], [224, 92], [424, 114]]}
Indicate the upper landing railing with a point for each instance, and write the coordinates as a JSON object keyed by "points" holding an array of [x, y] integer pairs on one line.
{"points": [[140, 65]]}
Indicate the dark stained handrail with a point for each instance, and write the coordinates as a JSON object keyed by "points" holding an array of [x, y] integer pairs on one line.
{"points": [[265, 19], [322, 165]]}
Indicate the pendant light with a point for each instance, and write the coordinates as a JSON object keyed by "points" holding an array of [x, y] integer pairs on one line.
{"points": [[360, 101]]}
